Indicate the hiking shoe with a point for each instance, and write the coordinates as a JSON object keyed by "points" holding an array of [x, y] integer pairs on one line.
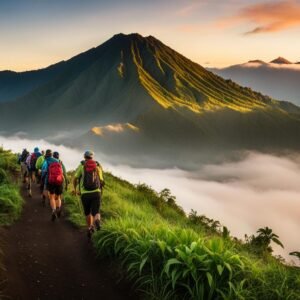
{"points": [[58, 212], [90, 232], [97, 225], [53, 216]]}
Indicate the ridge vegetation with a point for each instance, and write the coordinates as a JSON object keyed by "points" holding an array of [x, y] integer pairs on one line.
{"points": [[169, 255]]}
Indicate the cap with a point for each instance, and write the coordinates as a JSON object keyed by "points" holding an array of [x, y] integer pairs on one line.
{"points": [[56, 154], [48, 153], [88, 154], [36, 149]]}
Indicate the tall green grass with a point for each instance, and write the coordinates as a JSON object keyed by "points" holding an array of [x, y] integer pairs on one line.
{"points": [[169, 255], [10, 199]]}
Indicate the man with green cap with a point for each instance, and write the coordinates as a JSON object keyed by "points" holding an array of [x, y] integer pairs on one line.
{"points": [[89, 177]]}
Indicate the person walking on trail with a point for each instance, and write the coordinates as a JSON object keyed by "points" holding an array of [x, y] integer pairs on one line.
{"points": [[30, 162], [89, 177], [54, 178], [22, 161], [37, 170], [56, 156], [38, 166]]}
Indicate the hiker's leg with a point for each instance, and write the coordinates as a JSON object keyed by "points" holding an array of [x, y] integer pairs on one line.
{"points": [[52, 202], [95, 206], [58, 201], [95, 209], [86, 203], [23, 172], [58, 193], [51, 190], [89, 220], [33, 176], [29, 183]]}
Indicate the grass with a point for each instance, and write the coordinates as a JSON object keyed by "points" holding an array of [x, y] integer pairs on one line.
{"points": [[10, 199], [169, 255]]}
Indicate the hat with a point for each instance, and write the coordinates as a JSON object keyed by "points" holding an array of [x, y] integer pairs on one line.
{"points": [[88, 154], [36, 149], [48, 153], [56, 154]]}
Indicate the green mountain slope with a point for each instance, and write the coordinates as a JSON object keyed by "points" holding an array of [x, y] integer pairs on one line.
{"points": [[169, 255]]}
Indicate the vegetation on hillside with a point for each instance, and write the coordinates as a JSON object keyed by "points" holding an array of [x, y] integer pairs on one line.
{"points": [[10, 199], [169, 255]]}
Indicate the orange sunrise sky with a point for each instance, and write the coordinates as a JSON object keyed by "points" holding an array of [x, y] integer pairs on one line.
{"points": [[37, 33]]}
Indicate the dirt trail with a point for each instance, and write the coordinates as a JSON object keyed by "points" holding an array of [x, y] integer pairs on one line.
{"points": [[46, 260]]}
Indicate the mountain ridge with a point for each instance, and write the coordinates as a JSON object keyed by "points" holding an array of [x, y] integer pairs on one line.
{"points": [[280, 81], [178, 106]]}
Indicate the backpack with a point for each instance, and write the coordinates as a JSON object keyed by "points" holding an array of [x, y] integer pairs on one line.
{"points": [[24, 156], [33, 160], [91, 180], [55, 173]]}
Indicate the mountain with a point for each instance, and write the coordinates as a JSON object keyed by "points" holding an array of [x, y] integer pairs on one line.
{"points": [[256, 61], [280, 81], [135, 97], [14, 85], [281, 61]]}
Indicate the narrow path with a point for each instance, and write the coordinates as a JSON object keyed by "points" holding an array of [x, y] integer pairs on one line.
{"points": [[46, 260]]}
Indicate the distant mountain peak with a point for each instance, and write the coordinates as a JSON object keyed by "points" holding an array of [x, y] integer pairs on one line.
{"points": [[256, 61], [280, 60]]}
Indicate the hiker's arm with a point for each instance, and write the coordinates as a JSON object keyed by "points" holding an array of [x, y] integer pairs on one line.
{"points": [[76, 181], [28, 160], [65, 175], [100, 173], [44, 168], [75, 184]]}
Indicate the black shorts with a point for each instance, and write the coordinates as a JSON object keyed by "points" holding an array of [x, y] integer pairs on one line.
{"points": [[55, 189], [91, 203], [31, 172]]}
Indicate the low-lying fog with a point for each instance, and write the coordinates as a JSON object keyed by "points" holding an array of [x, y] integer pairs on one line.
{"points": [[259, 190]]}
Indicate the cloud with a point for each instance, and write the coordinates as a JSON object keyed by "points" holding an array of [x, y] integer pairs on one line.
{"points": [[187, 10], [291, 67], [256, 191], [267, 17]]}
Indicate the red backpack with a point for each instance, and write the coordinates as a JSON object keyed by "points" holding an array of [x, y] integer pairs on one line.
{"points": [[55, 174]]}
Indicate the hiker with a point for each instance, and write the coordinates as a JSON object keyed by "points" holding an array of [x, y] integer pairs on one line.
{"points": [[89, 175], [30, 162], [37, 173], [56, 156], [38, 166], [22, 161], [54, 178]]}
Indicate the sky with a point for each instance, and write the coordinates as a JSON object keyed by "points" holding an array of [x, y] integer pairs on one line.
{"points": [[214, 33]]}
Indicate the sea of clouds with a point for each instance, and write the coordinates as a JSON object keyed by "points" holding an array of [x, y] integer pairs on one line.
{"points": [[256, 191]]}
